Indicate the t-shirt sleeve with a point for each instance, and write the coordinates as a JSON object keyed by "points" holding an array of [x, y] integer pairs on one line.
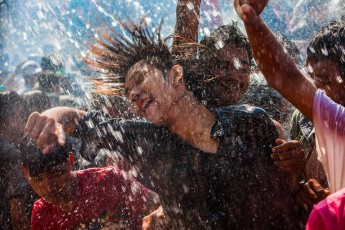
{"points": [[129, 137], [315, 221], [329, 123]]}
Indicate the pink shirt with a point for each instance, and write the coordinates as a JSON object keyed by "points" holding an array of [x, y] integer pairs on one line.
{"points": [[329, 213], [329, 123]]}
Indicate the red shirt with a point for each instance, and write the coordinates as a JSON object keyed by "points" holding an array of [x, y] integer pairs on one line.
{"points": [[105, 196], [329, 213]]}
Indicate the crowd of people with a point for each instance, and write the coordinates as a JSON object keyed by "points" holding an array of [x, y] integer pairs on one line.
{"points": [[180, 136]]}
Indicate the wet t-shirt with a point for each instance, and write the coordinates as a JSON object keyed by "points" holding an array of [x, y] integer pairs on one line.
{"points": [[329, 122], [106, 198], [238, 187]]}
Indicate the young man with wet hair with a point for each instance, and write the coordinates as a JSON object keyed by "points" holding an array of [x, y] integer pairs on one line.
{"points": [[226, 61], [211, 169], [91, 198]]}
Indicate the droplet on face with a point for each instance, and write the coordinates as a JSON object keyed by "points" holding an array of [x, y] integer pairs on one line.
{"points": [[324, 51], [237, 63], [309, 69], [219, 44], [339, 79]]}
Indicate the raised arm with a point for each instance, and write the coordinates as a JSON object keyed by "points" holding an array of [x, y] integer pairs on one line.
{"points": [[187, 23], [277, 66], [50, 126]]}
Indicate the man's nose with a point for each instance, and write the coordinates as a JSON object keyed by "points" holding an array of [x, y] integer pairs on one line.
{"points": [[134, 94]]}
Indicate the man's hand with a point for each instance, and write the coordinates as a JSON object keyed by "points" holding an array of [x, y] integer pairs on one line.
{"points": [[154, 220], [45, 130], [247, 9], [310, 193], [289, 156]]}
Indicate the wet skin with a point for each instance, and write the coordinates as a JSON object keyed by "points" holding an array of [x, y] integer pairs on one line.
{"points": [[232, 76], [56, 186], [327, 76], [152, 94]]}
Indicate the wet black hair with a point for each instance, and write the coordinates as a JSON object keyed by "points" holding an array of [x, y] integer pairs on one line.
{"points": [[289, 46], [114, 54], [329, 43], [10, 103], [200, 71], [37, 163], [225, 34]]}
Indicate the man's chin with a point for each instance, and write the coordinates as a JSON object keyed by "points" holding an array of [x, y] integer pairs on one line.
{"points": [[53, 200], [155, 120]]}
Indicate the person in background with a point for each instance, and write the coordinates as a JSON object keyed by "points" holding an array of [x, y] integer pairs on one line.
{"points": [[29, 71], [15, 198], [37, 101]]}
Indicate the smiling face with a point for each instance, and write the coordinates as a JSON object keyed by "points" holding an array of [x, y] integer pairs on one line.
{"points": [[327, 76], [152, 94], [231, 76]]}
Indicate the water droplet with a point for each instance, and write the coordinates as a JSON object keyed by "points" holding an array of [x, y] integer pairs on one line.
{"points": [[190, 6], [219, 44]]}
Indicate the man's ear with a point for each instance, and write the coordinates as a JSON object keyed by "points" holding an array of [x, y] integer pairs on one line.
{"points": [[176, 75], [25, 170], [71, 160]]}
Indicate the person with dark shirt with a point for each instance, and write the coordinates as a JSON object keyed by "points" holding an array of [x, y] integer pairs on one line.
{"points": [[211, 168], [14, 189], [92, 198]]}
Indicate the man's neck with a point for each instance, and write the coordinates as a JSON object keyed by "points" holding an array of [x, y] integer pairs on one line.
{"points": [[68, 202], [193, 122]]}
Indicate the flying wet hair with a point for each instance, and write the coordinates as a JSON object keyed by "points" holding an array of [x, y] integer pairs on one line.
{"points": [[37, 163], [114, 54], [225, 34], [329, 43]]}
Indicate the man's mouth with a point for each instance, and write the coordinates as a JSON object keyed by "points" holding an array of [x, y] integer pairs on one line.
{"points": [[144, 104]]}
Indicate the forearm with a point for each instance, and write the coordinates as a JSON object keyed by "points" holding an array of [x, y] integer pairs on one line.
{"points": [[278, 67], [67, 117], [187, 22]]}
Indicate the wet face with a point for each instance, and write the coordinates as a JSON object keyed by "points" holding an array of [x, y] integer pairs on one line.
{"points": [[54, 185], [327, 76], [151, 94], [232, 75]]}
